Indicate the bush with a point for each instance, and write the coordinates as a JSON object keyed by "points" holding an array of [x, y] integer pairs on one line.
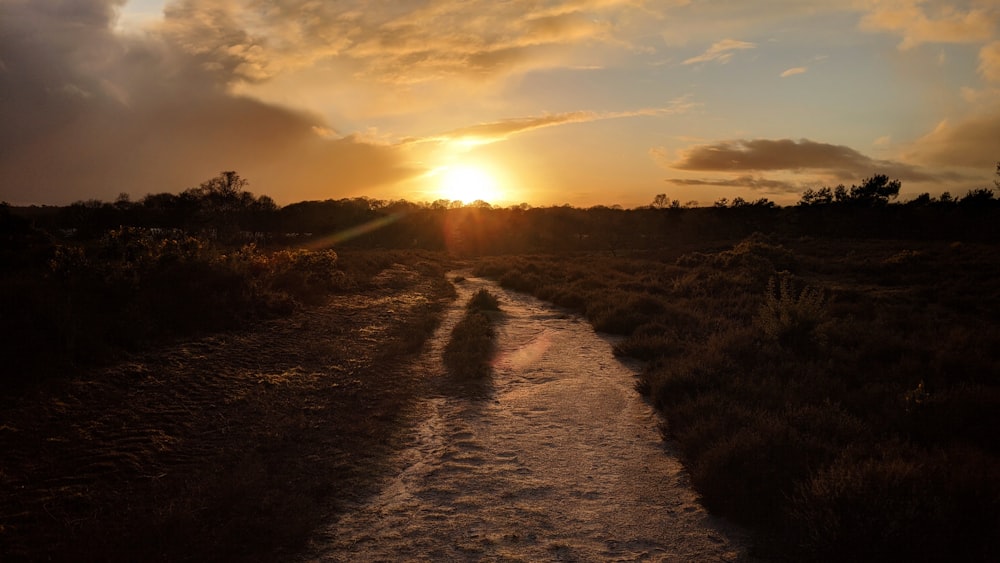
{"points": [[790, 317], [470, 348], [902, 504], [483, 300]]}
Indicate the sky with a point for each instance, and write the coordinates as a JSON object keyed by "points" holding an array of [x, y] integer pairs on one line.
{"points": [[547, 102]]}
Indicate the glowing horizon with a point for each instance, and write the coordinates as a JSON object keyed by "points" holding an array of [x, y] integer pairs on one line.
{"points": [[564, 101]]}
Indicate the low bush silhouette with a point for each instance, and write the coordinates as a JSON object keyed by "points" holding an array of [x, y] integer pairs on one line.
{"points": [[471, 346], [483, 300]]}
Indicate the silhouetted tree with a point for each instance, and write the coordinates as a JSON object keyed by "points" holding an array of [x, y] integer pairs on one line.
{"points": [[982, 197], [877, 190], [821, 196], [661, 201]]}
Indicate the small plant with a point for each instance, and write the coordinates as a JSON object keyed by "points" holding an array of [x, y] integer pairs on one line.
{"points": [[468, 353], [916, 397], [483, 300], [788, 316]]}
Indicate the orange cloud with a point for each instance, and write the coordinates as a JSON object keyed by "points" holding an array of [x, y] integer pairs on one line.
{"points": [[989, 62], [721, 52], [794, 71], [946, 24], [973, 142], [392, 42], [500, 130]]}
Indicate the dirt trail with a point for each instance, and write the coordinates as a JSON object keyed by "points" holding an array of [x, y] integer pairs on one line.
{"points": [[554, 458]]}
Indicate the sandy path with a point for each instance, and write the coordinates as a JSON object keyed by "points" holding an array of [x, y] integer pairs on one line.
{"points": [[555, 458]]}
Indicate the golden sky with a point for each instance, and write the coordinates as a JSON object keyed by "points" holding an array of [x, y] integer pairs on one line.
{"points": [[585, 102]]}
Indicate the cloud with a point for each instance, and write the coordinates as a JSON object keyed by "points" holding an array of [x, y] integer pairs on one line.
{"points": [[844, 163], [794, 71], [89, 113], [972, 142], [721, 52], [944, 24], [756, 183], [494, 131], [989, 62], [394, 42]]}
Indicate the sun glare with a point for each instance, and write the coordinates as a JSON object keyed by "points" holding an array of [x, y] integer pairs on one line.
{"points": [[467, 184]]}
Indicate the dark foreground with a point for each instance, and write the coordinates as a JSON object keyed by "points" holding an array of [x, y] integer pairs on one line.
{"points": [[229, 447], [837, 396]]}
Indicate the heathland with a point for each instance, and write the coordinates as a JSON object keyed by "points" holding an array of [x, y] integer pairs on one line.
{"points": [[183, 377]]}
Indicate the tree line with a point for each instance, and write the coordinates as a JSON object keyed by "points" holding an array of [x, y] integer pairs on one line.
{"points": [[221, 209]]}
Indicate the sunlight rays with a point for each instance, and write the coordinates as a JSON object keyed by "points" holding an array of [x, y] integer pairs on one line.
{"points": [[467, 183]]}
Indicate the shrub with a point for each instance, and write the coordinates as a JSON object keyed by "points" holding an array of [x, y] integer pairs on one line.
{"points": [[483, 300], [470, 348], [901, 504], [520, 281], [789, 317]]}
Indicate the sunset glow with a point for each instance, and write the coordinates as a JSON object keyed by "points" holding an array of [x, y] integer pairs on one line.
{"points": [[468, 184], [587, 102]]}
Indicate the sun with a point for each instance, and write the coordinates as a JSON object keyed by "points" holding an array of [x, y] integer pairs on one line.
{"points": [[467, 183]]}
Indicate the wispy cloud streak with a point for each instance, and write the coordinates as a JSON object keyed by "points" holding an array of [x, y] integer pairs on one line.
{"points": [[503, 129], [721, 52], [794, 71]]}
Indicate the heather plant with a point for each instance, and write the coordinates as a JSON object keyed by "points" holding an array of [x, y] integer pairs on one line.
{"points": [[470, 348], [789, 316], [483, 300], [306, 275]]}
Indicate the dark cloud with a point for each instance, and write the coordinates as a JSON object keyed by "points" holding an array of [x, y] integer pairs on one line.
{"points": [[756, 155], [88, 113], [756, 183]]}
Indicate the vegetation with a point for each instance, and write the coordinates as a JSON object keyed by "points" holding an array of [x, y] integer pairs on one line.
{"points": [[87, 303], [828, 370], [470, 348], [483, 300], [232, 447], [835, 396]]}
